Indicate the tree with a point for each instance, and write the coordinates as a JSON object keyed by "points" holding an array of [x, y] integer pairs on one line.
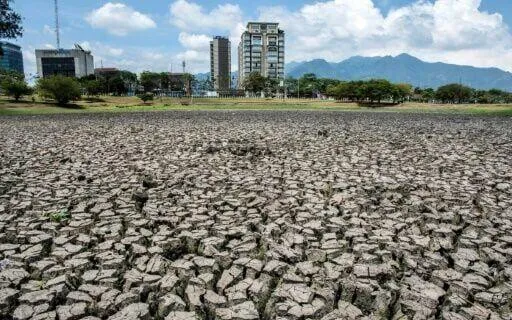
{"points": [[188, 81], [92, 87], [270, 86], [454, 93], [401, 91], [428, 94], [11, 75], [165, 82], [145, 97], [10, 22], [377, 90], [254, 82], [59, 88], [117, 86], [150, 81], [16, 88], [351, 91]]}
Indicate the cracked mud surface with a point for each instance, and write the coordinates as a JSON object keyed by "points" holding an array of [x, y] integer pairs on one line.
{"points": [[255, 215]]}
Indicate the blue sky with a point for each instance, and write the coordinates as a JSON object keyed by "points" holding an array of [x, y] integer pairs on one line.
{"points": [[156, 35]]}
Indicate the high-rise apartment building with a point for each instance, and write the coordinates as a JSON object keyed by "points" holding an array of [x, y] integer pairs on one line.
{"points": [[12, 58], [261, 50], [220, 63], [69, 63]]}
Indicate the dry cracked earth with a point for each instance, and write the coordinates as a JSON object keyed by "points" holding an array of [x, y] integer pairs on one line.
{"points": [[255, 215]]}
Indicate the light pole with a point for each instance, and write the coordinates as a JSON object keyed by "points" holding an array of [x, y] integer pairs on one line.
{"points": [[298, 88]]}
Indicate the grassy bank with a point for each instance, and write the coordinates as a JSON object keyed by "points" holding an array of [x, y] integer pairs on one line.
{"points": [[133, 104]]}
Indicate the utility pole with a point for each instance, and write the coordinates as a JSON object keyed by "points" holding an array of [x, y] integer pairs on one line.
{"points": [[57, 26], [298, 88]]}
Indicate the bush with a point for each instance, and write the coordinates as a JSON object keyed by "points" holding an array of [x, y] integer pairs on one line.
{"points": [[59, 88], [92, 87], [145, 97], [16, 88]]}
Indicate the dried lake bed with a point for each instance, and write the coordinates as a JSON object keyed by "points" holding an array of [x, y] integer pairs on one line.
{"points": [[248, 215]]}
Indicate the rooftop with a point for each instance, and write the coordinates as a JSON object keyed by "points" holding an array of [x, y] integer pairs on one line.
{"points": [[5, 43], [256, 22], [106, 69]]}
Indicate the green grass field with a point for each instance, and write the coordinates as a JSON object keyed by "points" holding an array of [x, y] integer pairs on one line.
{"points": [[133, 104]]}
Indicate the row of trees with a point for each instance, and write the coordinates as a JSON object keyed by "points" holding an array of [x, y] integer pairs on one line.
{"points": [[457, 93], [118, 83], [372, 91], [122, 82], [59, 88], [307, 86], [376, 90], [64, 89]]}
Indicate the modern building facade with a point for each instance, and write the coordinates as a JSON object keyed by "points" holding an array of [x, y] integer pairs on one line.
{"points": [[12, 58], [220, 63], [261, 49], [69, 63]]}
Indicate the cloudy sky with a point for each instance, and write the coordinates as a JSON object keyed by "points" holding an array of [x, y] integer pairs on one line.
{"points": [[157, 35]]}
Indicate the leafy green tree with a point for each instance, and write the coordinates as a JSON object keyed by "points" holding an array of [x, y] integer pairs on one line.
{"points": [[165, 81], [16, 88], [254, 82], [10, 22], [377, 90], [145, 97], [291, 86], [59, 88], [117, 86], [454, 93], [11, 75], [428, 94], [352, 91], [401, 91], [308, 85], [92, 87], [150, 81], [271, 85]]}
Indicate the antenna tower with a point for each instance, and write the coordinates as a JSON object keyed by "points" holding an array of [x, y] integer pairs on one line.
{"points": [[184, 64], [57, 26]]}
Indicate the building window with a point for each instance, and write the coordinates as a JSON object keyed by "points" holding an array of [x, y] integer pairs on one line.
{"points": [[58, 66]]}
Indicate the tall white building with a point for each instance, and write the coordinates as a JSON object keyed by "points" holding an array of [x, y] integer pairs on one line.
{"points": [[261, 50], [67, 62]]}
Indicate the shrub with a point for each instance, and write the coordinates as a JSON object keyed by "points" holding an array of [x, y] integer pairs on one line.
{"points": [[16, 88], [59, 216], [59, 88], [145, 97], [92, 87]]}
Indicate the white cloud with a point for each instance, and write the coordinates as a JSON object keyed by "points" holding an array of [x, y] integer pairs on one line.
{"points": [[190, 16], [195, 41], [100, 49], [194, 21], [453, 31], [29, 63], [119, 19]]}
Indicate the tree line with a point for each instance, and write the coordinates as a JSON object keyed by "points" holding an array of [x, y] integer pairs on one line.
{"points": [[308, 86], [374, 90]]}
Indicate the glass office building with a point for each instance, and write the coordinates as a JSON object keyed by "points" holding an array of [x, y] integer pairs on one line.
{"points": [[66, 62], [12, 58]]}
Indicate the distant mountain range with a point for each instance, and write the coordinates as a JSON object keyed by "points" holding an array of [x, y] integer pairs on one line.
{"points": [[404, 68]]}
